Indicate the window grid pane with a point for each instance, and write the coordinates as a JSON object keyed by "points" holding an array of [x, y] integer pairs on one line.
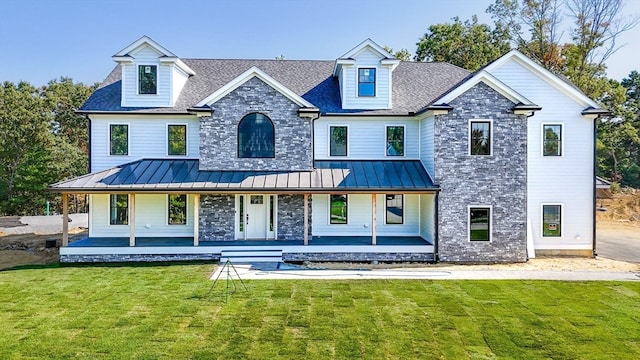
{"points": [[366, 82], [119, 140], [338, 212], [338, 141], [177, 140], [147, 79], [552, 140], [177, 209], [395, 209], [256, 137], [395, 140], [480, 138], [119, 209], [551, 220], [479, 224]]}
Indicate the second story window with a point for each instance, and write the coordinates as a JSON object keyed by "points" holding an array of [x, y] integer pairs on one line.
{"points": [[177, 139], [338, 137], [118, 139], [367, 82], [147, 79], [480, 138], [552, 140], [256, 137], [395, 140]]}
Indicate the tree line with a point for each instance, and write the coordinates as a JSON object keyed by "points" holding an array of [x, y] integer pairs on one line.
{"points": [[43, 140]]}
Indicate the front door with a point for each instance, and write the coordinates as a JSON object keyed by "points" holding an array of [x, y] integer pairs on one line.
{"points": [[256, 216]]}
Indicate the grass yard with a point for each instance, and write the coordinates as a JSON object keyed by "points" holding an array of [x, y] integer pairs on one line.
{"points": [[152, 312]]}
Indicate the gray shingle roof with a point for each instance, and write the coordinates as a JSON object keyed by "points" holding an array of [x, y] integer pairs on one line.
{"points": [[165, 175], [415, 84]]}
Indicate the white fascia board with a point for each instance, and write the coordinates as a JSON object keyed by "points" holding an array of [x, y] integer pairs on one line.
{"points": [[367, 43], [340, 63], [390, 63], [145, 40], [178, 63], [248, 75], [492, 82], [123, 59], [544, 74]]}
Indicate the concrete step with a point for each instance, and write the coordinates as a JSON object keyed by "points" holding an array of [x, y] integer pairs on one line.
{"points": [[251, 256]]}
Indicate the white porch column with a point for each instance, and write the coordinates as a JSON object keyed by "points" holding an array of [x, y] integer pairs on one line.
{"points": [[373, 219], [196, 219], [65, 220], [306, 219], [132, 219]]}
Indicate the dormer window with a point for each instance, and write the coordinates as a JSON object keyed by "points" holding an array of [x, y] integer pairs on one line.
{"points": [[147, 79], [366, 82]]}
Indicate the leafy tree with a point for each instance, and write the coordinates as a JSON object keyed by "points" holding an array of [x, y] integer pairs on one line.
{"points": [[467, 44], [402, 54]]}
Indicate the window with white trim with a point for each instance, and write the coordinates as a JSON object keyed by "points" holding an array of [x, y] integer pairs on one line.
{"points": [[147, 79], [118, 139], [480, 137], [177, 209], [479, 223], [338, 140], [395, 140], [176, 139], [338, 211], [551, 220], [552, 140], [367, 82], [118, 209], [394, 209]]}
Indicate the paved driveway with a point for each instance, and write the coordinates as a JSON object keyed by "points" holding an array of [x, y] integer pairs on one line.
{"points": [[619, 245]]}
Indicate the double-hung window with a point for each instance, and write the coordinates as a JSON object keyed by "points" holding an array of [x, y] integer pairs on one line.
{"points": [[338, 140], [177, 139], [338, 211], [119, 209], [394, 209], [552, 140], [480, 137], [552, 220], [395, 140], [479, 223], [118, 139], [367, 82], [147, 79], [177, 209]]}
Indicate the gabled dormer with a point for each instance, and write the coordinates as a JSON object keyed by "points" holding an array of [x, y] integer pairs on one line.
{"points": [[365, 74], [152, 76]]}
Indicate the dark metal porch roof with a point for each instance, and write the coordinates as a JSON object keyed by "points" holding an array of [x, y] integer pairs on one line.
{"points": [[184, 176]]}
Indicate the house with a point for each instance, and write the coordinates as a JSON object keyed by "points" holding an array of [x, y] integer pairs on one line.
{"points": [[361, 158]]}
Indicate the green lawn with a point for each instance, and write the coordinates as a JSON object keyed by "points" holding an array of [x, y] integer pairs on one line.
{"points": [[151, 312]]}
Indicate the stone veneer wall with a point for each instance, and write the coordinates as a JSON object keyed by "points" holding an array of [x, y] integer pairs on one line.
{"points": [[498, 180], [217, 218], [291, 217], [219, 133]]}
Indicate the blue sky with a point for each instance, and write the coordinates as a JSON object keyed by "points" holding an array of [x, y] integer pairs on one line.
{"points": [[43, 40]]}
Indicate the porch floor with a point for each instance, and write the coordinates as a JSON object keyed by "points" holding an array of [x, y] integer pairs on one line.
{"points": [[188, 241]]}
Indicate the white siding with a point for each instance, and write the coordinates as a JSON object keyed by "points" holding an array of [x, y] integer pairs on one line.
{"points": [[147, 138], [427, 216], [151, 217], [567, 179], [178, 80], [366, 59], [426, 145], [359, 217], [145, 55], [367, 137]]}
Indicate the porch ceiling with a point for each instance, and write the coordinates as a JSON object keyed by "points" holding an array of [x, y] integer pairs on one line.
{"points": [[184, 176]]}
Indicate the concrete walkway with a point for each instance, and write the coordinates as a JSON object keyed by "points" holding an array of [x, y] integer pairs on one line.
{"points": [[273, 271]]}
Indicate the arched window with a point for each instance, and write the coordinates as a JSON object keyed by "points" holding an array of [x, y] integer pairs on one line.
{"points": [[256, 137]]}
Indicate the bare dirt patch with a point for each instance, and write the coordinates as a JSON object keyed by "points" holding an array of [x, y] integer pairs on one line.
{"points": [[30, 249]]}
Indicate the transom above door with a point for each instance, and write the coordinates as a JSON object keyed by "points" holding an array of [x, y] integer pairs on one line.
{"points": [[256, 216]]}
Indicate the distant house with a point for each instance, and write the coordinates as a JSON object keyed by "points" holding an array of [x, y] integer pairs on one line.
{"points": [[360, 158]]}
